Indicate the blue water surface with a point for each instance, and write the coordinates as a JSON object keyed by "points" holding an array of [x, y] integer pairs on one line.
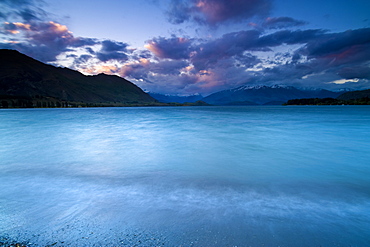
{"points": [[186, 176]]}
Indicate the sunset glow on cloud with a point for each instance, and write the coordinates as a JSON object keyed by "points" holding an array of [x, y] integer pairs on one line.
{"points": [[210, 45]]}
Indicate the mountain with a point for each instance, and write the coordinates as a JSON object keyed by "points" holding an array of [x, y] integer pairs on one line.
{"points": [[165, 98], [265, 95], [355, 95], [24, 78]]}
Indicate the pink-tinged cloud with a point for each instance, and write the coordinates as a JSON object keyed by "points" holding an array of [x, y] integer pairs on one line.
{"points": [[335, 43], [43, 40], [355, 53], [214, 12], [217, 11], [15, 27], [173, 48], [98, 69], [137, 69]]}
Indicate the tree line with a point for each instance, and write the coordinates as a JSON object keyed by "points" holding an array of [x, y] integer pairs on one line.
{"points": [[329, 101]]}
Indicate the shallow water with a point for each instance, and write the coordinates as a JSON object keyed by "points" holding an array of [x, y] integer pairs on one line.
{"points": [[186, 176]]}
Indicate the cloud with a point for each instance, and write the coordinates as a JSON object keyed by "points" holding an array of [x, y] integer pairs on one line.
{"points": [[343, 81], [237, 43], [44, 40], [168, 67], [358, 71], [314, 58], [17, 2], [173, 48], [179, 11], [281, 22], [346, 46], [271, 53], [97, 68], [165, 76], [190, 67], [209, 53], [28, 29], [113, 50], [214, 12], [31, 15], [81, 59], [328, 60], [141, 68], [290, 37], [27, 10]]}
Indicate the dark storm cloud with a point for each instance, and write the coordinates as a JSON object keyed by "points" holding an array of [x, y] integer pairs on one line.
{"points": [[360, 72], [214, 12], [339, 45], [281, 22], [112, 50]]}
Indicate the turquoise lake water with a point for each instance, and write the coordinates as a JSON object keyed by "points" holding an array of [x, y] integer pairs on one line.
{"points": [[186, 176]]}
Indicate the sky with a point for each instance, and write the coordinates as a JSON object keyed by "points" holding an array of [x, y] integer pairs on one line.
{"points": [[186, 47]]}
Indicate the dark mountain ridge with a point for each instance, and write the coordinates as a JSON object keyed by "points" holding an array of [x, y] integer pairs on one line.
{"points": [[26, 78]]}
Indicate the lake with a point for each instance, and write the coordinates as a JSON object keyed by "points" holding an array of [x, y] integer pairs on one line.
{"points": [[186, 176]]}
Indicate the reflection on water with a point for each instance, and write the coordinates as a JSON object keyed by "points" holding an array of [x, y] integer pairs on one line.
{"points": [[189, 176]]}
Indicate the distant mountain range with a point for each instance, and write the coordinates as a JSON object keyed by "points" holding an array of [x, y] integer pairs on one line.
{"points": [[166, 98], [26, 82], [265, 95]]}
